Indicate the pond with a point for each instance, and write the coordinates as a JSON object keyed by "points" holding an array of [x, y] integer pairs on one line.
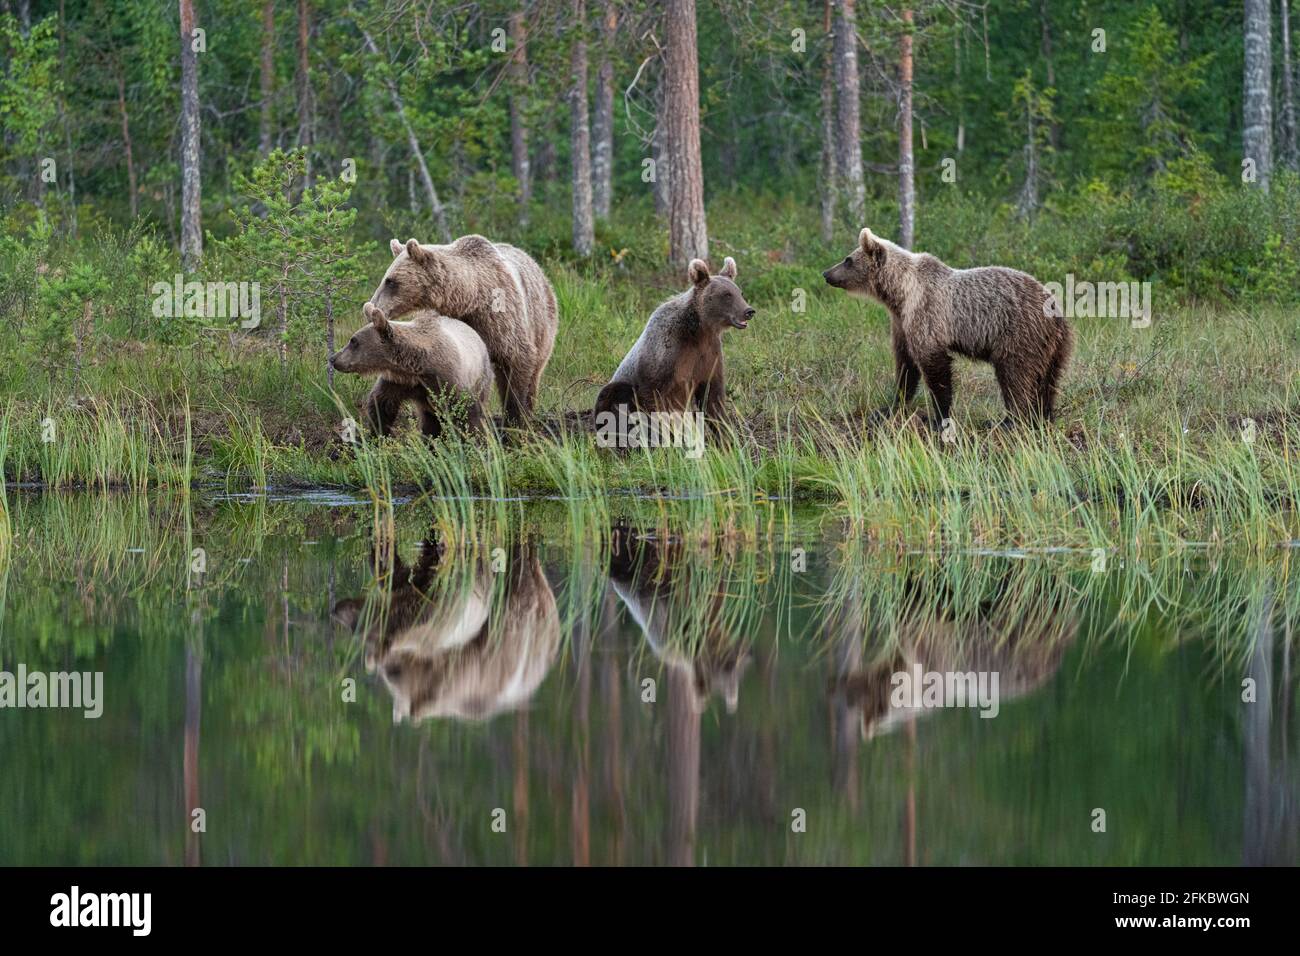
{"points": [[306, 680]]}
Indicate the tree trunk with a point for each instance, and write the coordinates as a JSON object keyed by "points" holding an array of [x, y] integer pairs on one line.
{"points": [[1257, 107], [519, 164], [191, 192], [849, 135], [688, 235], [906, 182], [828, 170], [126, 142], [193, 725], [304, 91], [329, 341], [602, 160], [1289, 156], [580, 138], [662, 184], [435, 204], [265, 131], [1045, 20]]}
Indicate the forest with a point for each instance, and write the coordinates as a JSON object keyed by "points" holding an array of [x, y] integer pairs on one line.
{"points": [[275, 149]]}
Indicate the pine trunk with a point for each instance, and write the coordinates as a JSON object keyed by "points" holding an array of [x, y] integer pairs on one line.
{"points": [[1257, 105], [580, 138], [519, 164], [191, 192], [906, 180], [688, 236], [265, 126], [828, 174], [848, 136], [305, 133], [602, 159]]}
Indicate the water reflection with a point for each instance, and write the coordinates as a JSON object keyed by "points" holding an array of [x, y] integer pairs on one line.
{"points": [[640, 700], [466, 640]]}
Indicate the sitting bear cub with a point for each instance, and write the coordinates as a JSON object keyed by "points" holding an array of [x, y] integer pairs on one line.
{"points": [[426, 359], [676, 364]]}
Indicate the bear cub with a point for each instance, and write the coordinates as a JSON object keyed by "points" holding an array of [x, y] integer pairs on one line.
{"points": [[676, 364], [992, 314], [430, 360], [494, 288]]}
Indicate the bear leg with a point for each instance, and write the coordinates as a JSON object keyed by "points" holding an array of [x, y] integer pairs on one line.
{"points": [[430, 423], [1051, 380], [515, 399], [384, 403], [906, 375], [937, 370], [1021, 387]]}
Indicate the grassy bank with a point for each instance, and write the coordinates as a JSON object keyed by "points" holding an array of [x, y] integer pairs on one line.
{"points": [[1184, 430], [1154, 439]]}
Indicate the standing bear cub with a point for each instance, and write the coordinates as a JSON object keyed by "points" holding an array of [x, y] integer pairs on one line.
{"points": [[437, 363], [992, 314], [676, 364], [497, 290]]}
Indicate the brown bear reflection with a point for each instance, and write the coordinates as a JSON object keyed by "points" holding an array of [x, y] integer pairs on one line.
{"points": [[457, 642], [683, 625], [1024, 648]]}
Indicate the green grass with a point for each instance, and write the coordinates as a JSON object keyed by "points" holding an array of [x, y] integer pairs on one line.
{"points": [[1150, 443]]}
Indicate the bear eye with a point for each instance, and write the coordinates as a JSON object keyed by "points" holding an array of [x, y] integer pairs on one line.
{"points": [[848, 260], [391, 283]]}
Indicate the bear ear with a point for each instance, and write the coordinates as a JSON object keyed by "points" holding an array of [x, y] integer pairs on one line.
{"points": [[415, 251], [375, 316], [396, 247], [698, 272], [868, 240], [728, 268]]}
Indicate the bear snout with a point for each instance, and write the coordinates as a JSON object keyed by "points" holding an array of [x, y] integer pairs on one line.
{"points": [[749, 313]]}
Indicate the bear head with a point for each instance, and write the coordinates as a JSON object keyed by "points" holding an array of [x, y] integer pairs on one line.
{"points": [[864, 270], [414, 280], [717, 299], [373, 349]]}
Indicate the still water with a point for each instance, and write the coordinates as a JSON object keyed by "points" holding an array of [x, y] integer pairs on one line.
{"points": [[282, 684]]}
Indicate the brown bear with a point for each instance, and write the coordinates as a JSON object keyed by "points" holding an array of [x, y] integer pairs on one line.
{"points": [[676, 364], [438, 363], [992, 314], [458, 642], [496, 289]]}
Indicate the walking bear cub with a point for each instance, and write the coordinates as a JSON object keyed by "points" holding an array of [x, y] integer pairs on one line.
{"points": [[676, 364], [437, 363], [496, 289], [992, 314]]}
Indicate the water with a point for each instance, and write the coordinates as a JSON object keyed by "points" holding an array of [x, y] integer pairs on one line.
{"points": [[663, 704]]}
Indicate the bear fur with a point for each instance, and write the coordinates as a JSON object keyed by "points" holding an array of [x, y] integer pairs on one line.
{"points": [[427, 359], [497, 290], [676, 365], [461, 643], [992, 314]]}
